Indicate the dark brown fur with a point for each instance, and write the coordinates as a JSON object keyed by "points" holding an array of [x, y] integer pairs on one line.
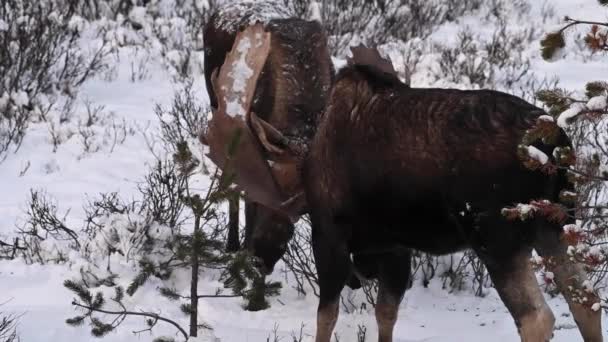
{"points": [[290, 95], [393, 168]]}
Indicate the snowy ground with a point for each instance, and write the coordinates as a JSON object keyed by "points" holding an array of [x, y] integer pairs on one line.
{"points": [[36, 292]]}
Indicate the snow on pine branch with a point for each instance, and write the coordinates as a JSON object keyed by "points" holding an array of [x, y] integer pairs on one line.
{"points": [[595, 104], [564, 118], [537, 154]]}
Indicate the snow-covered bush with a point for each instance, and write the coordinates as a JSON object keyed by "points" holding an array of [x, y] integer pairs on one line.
{"points": [[183, 121], [8, 328], [44, 236], [41, 62], [299, 259], [584, 117], [495, 62], [377, 22], [169, 31]]}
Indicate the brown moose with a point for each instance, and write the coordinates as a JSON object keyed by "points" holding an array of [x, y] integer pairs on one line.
{"points": [[392, 168]]}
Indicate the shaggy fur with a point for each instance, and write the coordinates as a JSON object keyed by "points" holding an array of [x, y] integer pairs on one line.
{"points": [[393, 168]]}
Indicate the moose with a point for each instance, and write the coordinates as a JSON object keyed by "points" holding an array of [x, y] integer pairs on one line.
{"points": [[390, 169], [290, 95]]}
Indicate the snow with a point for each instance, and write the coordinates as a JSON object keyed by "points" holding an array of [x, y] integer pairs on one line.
{"points": [[240, 74], [525, 209], [4, 100], [314, 11], [20, 98], [597, 103], [574, 110], [231, 14], [71, 176], [546, 118], [537, 154], [138, 14]]}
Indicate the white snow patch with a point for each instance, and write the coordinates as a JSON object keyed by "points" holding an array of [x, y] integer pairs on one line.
{"points": [[537, 154], [241, 73], [138, 15], [3, 25], [597, 103], [77, 23], [573, 111], [525, 209], [547, 118], [314, 11], [20, 98], [4, 100], [237, 14], [235, 108]]}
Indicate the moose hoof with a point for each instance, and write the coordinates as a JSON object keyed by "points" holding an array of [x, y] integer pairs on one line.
{"points": [[537, 326]]}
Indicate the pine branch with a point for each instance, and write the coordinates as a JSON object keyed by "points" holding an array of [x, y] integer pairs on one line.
{"points": [[555, 40], [573, 22], [132, 313]]}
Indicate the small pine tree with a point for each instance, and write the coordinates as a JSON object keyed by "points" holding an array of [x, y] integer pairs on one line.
{"points": [[202, 248]]}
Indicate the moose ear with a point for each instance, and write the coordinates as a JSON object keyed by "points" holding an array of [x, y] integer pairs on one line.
{"points": [[278, 148]]}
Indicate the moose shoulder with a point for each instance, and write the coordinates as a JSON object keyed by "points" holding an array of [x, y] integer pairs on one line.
{"points": [[392, 168]]}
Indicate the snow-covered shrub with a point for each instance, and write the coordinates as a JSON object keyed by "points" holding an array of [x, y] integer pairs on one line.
{"points": [[584, 117], [169, 31], [476, 62], [8, 328], [44, 236], [378, 22], [183, 121], [299, 259], [41, 62]]}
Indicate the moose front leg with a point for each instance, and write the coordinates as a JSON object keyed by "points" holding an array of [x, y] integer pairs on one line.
{"points": [[333, 268], [569, 278], [393, 278]]}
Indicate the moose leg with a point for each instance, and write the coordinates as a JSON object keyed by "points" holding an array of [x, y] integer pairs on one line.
{"points": [[569, 278], [250, 219], [232, 243], [393, 278], [333, 269], [516, 284]]}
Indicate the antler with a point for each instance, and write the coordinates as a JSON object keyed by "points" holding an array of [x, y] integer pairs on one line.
{"points": [[235, 85]]}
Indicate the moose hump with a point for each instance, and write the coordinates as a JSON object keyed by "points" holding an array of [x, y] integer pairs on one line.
{"points": [[369, 60]]}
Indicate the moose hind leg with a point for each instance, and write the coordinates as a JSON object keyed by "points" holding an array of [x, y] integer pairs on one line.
{"points": [[393, 278], [569, 278], [516, 284]]}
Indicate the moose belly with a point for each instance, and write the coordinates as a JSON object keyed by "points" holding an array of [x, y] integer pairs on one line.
{"points": [[430, 226]]}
